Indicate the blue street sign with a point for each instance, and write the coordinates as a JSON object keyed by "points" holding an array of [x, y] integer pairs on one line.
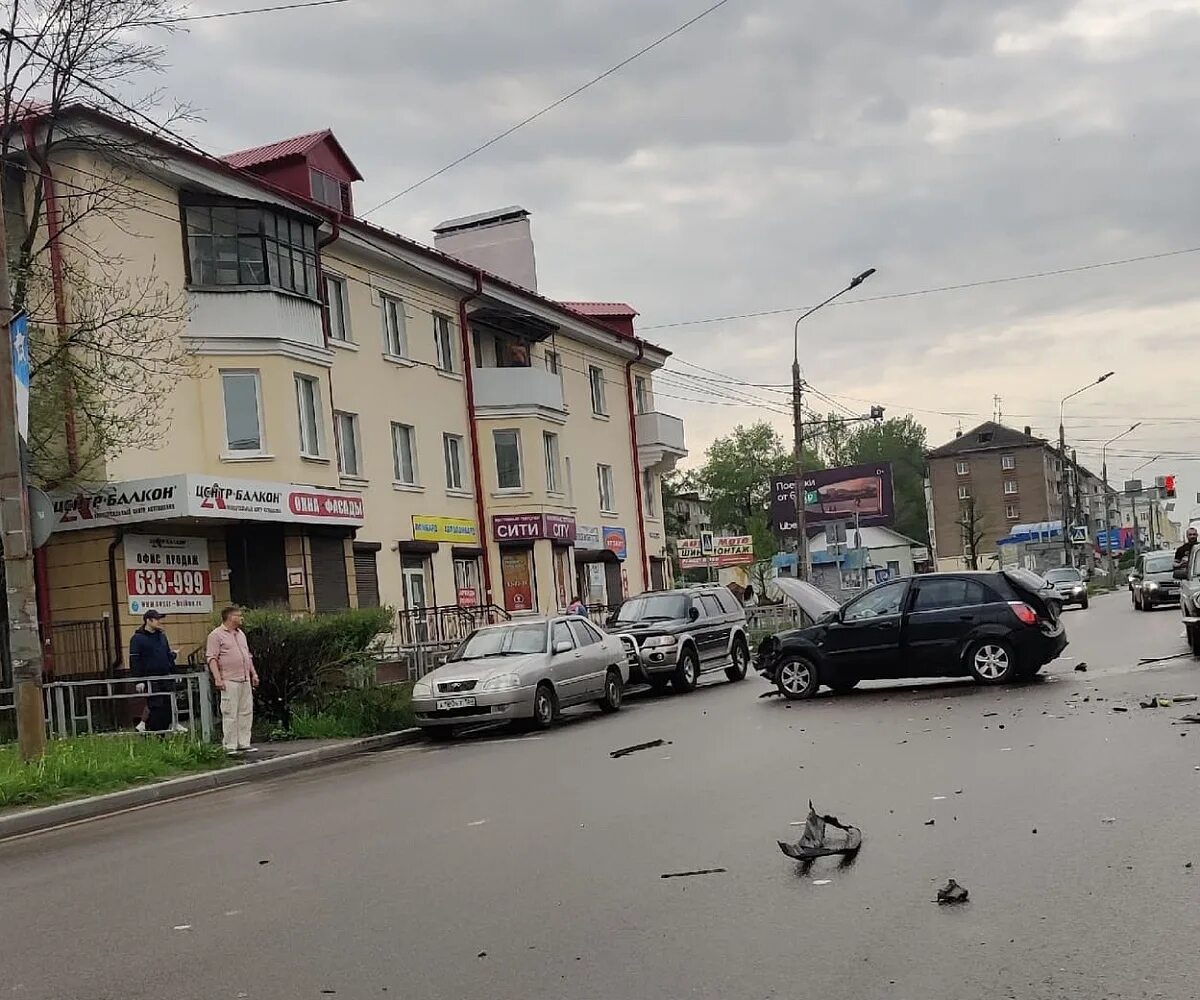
{"points": [[19, 334]]}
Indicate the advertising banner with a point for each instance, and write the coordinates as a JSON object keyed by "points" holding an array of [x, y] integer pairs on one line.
{"points": [[167, 573], [614, 541], [864, 491], [588, 537], [435, 528], [518, 587], [532, 526], [726, 550]]}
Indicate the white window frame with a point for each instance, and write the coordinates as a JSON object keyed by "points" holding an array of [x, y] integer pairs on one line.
{"points": [[641, 394], [962, 468], [410, 434], [313, 385], [964, 492], [1011, 488], [1008, 462], [254, 374], [341, 417], [453, 445], [516, 433], [1012, 511], [395, 326], [553, 465], [339, 315], [649, 501], [606, 488], [443, 342], [596, 385]]}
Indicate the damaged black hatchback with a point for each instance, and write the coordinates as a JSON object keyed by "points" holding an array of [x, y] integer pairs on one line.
{"points": [[993, 626]]}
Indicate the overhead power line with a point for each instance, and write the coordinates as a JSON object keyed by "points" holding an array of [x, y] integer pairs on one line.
{"points": [[550, 107], [234, 13], [934, 290]]}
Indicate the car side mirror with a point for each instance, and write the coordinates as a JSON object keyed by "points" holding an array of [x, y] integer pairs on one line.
{"points": [[562, 647], [693, 613]]}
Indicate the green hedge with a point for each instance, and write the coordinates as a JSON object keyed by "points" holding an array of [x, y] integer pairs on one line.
{"points": [[354, 712]]}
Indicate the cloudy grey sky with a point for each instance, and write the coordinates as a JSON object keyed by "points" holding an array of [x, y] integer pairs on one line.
{"points": [[762, 157]]}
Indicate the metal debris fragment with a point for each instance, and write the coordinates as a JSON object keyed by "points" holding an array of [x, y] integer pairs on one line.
{"points": [[1194, 719], [818, 841], [1081, 667], [626, 751], [698, 871], [951, 893]]}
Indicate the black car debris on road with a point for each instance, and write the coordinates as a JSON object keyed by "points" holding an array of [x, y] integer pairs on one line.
{"points": [[994, 626]]}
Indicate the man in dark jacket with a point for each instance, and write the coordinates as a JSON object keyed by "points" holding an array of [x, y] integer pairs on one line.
{"points": [[150, 655]]}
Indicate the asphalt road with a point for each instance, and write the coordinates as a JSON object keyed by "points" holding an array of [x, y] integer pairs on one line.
{"points": [[530, 868]]}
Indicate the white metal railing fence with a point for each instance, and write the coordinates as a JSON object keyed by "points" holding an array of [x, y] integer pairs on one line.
{"points": [[106, 704]]}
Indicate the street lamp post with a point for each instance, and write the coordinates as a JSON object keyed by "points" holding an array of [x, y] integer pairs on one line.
{"points": [[798, 425], [1108, 546], [1062, 457]]}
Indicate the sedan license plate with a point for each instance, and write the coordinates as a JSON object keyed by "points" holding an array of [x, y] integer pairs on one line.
{"points": [[449, 704]]}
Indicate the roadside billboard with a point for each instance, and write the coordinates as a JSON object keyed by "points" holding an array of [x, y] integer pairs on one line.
{"points": [[835, 495], [724, 550]]}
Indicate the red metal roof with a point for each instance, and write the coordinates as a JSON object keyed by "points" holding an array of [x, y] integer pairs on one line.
{"points": [[299, 145], [601, 308]]}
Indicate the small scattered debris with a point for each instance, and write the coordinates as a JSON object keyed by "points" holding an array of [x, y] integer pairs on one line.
{"points": [[958, 791], [626, 751], [930, 822], [1188, 865], [1122, 708], [818, 841], [477, 822], [698, 871], [939, 798], [482, 954], [1179, 699], [1035, 830], [822, 881], [1109, 819], [265, 861], [770, 694], [1158, 659], [1001, 726], [232, 913], [988, 715], [329, 992], [1158, 701], [1193, 719], [1081, 667], [182, 927], [951, 893]]}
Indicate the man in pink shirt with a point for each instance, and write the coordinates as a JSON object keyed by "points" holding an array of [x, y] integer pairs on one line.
{"points": [[233, 672]]}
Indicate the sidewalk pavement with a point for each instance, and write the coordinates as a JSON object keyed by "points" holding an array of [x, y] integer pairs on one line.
{"points": [[271, 760]]}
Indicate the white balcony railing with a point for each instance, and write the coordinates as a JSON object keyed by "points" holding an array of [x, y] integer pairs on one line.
{"points": [[518, 389], [245, 320], [660, 441]]}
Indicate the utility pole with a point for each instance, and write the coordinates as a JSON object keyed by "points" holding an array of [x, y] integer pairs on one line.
{"points": [[798, 425], [19, 581], [1064, 498], [1108, 528]]}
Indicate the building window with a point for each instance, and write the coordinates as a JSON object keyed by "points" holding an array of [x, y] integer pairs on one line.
{"points": [[452, 448], [1010, 487], [550, 449], [349, 445], [963, 468], [395, 334], [404, 453], [308, 405], [640, 394], [649, 500], [1008, 462], [964, 493], [508, 459], [328, 190], [604, 479], [232, 246], [1012, 511], [553, 362], [243, 412], [336, 303], [596, 378], [443, 342]]}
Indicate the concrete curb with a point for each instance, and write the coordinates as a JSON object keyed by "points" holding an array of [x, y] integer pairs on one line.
{"points": [[46, 817]]}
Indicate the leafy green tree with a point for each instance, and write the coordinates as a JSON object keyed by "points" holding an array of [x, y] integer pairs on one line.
{"points": [[901, 441]]}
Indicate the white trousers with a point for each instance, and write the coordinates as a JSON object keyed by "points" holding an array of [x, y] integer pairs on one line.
{"points": [[237, 714]]}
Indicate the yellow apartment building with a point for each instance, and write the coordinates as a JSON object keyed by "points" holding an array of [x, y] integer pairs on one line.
{"points": [[372, 420]]}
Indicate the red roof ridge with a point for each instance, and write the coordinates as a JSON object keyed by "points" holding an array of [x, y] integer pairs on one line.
{"points": [[601, 308], [297, 145]]}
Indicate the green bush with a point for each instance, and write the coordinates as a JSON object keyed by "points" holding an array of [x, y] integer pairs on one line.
{"points": [[354, 712], [303, 659], [88, 765]]}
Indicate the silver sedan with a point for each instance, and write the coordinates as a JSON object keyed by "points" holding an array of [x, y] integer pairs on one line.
{"points": [[523, 670]]}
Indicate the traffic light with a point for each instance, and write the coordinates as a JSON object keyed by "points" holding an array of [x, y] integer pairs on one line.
{"points": [[1169, 487]]}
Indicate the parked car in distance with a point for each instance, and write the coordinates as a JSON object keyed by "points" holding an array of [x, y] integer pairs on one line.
{"points": [[1069, 586], [1189, 599], [526, 670], [681, 634], [1152, 581], [994, 626]]}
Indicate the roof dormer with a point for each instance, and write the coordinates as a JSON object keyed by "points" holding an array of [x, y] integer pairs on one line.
{"points": [[312, 166]]}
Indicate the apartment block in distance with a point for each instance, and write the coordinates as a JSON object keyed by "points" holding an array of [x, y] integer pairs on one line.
{"points": [[373, 420]]}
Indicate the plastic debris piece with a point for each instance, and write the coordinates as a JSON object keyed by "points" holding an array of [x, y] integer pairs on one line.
{"points": [[482, 954], [1122, 708], [182, 927], [988, 715], [1181, 698], [698, 871], [818, 841], [1193, 719], [822, 881], [649, 745], [1109, 819], [1081, 667], [929, 822], [951, 893]]}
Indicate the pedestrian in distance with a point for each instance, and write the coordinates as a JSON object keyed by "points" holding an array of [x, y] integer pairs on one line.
{"points": [[232, 668], [1184, 552], [151, 655], [577, 607]]}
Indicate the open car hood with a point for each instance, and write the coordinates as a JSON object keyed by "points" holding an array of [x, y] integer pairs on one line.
{"points": [[812, 601]]}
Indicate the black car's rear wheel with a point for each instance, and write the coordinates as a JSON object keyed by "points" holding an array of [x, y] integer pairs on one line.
{"points": [[797, 678], [739, 660], [992, 661]]}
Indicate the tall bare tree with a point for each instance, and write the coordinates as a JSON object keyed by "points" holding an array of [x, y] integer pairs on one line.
{"points": [[104, 338], [973, 527]]}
